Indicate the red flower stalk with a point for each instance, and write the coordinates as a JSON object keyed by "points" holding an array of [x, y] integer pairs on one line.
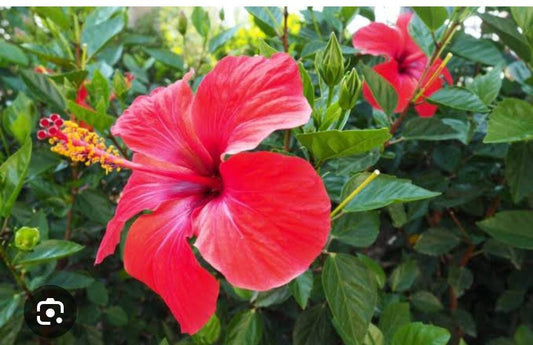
{"points": [[404, 66], [259, 218]]}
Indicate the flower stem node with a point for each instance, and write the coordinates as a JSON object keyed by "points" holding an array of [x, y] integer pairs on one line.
{"points": [[77, 143], [331, 65], [26, 238], [349, 91]]}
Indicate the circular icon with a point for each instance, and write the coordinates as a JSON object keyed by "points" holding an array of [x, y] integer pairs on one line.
{"points": [[50, 311]]}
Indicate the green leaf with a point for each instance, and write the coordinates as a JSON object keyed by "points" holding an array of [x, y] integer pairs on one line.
{"points": [[70, 280], [268, 19], [55, 14], [417, 333], [49, 52], [309, 89], [460, 279], [351, 294], [301, 288], [48, 251], [507, 31], [244, 328], [44, 89], [433, 17], [74, 77], [210, 333], [220, 39], [116, 316], [98, 90], [421, 35], [19, 118], [267, 51], [8, 306], [374, 268], [98, 33], [511, 120], [312, 327], [524, 18], [510, 300], [374, 336], [167, 57], [383, 191], [97, 293], [403, 276], [476, 49], [357, 229], [10, 330], [394, 316], [510, 227], [334, 144], [381, 89], [12, 174], [201, 22], [487, 86], [271, 297], [436, 241], [100, 121], [12, 54], [519, 170], [460, 99], [523, 335], [95, 205], [426, 301], [436, 129]]}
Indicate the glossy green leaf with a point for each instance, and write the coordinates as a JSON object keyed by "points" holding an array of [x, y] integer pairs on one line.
{"points": [[74, 77], [44, 89], [268, 19], [11, 329], [244, 328], [301, 288], [417, 333], [55, 14], [271, 297], [20, 117], [436, 129], [460, 99], [421, 34], [487, 86], [381, 89], [12, 54], [519, 170], [116, 316], [404, 276], [12, 174], [460, 279], [426, 301], [267, 51], [210, 333], [97, 34], [351, 294], [510, 227], [433, 17], [507, 31], [309, 89], [476, 49], [220, 39], [48, 251], [511, 120], [8, 306], [98, 90], [313, 327], [335, 144], [70, 280], [510, 300], [394, 316], [383, 191], [49, 52], [97, 293], [436, 241], [100, 121], [374, 268], [167, 57], [358, 229], [200, 20]]}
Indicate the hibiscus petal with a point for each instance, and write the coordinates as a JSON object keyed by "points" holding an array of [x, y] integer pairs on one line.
{"points": [[410, 46], [158, 254], [144, 191], [403, 83], [379, 39], [244, 99], [159, 125], [270, 222]]}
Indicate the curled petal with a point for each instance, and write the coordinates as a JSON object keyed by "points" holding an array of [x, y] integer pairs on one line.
{"points": [[158, 254], [379, 39], [270, 222], [159, 126], [244, 99], [144, 191]]}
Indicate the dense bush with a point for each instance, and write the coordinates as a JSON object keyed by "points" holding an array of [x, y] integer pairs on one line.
{"points": [[434, 250]]}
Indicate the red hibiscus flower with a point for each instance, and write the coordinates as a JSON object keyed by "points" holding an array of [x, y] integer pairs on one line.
{"points": [[404, 66], [259, 218]]}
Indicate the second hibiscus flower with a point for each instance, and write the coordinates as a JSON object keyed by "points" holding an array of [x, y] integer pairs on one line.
{"points": [[404, 66]]}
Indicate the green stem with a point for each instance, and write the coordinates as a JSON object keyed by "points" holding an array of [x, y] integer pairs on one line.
{"points": [[4, 143], [354, 193], [330, 95]]}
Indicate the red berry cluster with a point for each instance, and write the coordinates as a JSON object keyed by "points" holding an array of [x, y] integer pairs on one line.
{"points": [[50, 126]]}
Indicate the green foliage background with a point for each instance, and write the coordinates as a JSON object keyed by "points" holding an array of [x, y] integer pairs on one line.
{"points": [[437, 250]]}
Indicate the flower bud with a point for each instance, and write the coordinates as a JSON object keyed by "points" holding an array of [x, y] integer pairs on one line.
{"points": [[182, 23], [26, 238], [349, 90], [332, 63]]}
